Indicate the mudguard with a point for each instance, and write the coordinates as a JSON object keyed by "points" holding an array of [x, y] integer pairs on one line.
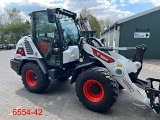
{"points": [[17, 64], [79, 69]]}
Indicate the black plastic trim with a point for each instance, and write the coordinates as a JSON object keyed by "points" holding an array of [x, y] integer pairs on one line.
{"points": [[16, 65], [79, 69], [56, 73], [40, 62]]}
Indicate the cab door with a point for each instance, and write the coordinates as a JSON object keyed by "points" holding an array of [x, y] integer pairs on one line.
{"points": [[47, 39]]}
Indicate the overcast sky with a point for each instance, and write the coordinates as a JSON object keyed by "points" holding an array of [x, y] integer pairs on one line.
{"points": [[112, 9]]}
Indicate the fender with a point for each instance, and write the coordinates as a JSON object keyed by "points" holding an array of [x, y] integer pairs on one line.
{"points": [[17, 64], [79, 69]]}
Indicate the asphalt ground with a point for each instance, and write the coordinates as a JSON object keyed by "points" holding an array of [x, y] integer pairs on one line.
{"points": [[59, 102]]}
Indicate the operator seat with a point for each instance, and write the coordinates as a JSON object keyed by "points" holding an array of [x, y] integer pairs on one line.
{"points": [[45, 45]]}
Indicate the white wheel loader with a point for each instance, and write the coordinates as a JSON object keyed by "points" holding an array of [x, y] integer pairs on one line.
{"points": [[56, 51]]}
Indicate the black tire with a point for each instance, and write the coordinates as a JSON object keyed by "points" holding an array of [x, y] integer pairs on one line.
{"points": [[159, 99], [106, 86], [63, 78], [120, 87], [33, 78]]}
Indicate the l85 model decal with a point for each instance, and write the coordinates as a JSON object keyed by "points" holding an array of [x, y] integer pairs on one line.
{"points": [[128, 85]]}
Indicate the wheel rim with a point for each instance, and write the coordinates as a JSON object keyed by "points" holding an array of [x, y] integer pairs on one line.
{"points": [[31, 78], [93, 90]]}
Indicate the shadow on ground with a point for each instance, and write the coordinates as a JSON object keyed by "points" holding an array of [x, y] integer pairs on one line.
{"points": [[60, 99]]}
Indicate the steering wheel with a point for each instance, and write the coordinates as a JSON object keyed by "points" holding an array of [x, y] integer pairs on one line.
{"points": [[69, 41]]}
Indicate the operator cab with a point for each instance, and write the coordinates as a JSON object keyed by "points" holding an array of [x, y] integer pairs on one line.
{"points": [[55, 34]]}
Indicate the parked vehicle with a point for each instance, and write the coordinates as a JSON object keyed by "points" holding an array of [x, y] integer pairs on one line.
{"points": [[8, 47], [3, 46]]}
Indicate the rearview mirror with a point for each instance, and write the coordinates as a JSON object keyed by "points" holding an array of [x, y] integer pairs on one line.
{"points": [[51, 16]]}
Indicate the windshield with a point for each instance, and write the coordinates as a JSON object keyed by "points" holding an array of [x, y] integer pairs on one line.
{"points": [[43, 27], [70, 30]]}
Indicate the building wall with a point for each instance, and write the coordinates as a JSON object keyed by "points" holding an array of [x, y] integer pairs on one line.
{"points": [[147, 23], [117, 36], [112, 37]]}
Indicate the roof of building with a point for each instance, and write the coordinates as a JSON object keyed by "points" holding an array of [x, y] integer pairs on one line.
{"points": [[132, 17]]}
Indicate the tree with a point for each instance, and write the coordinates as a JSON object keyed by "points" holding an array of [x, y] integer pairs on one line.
{"points": [[14, 31], [12, 16], [2, 37], [105, 23], [86, 13], [12, 26]]}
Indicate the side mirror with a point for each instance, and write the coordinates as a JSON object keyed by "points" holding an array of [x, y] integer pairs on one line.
{"points": [[51, 16]]}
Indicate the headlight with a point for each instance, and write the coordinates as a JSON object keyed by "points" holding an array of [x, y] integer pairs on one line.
{"points": [[118, 71]]}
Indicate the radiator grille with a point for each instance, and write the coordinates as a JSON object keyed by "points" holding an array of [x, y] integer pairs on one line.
{"points": [[28, 47]]}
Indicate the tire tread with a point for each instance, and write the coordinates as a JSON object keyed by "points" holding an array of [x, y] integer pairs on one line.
{"points": [[111, 83], [44, 82]]}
